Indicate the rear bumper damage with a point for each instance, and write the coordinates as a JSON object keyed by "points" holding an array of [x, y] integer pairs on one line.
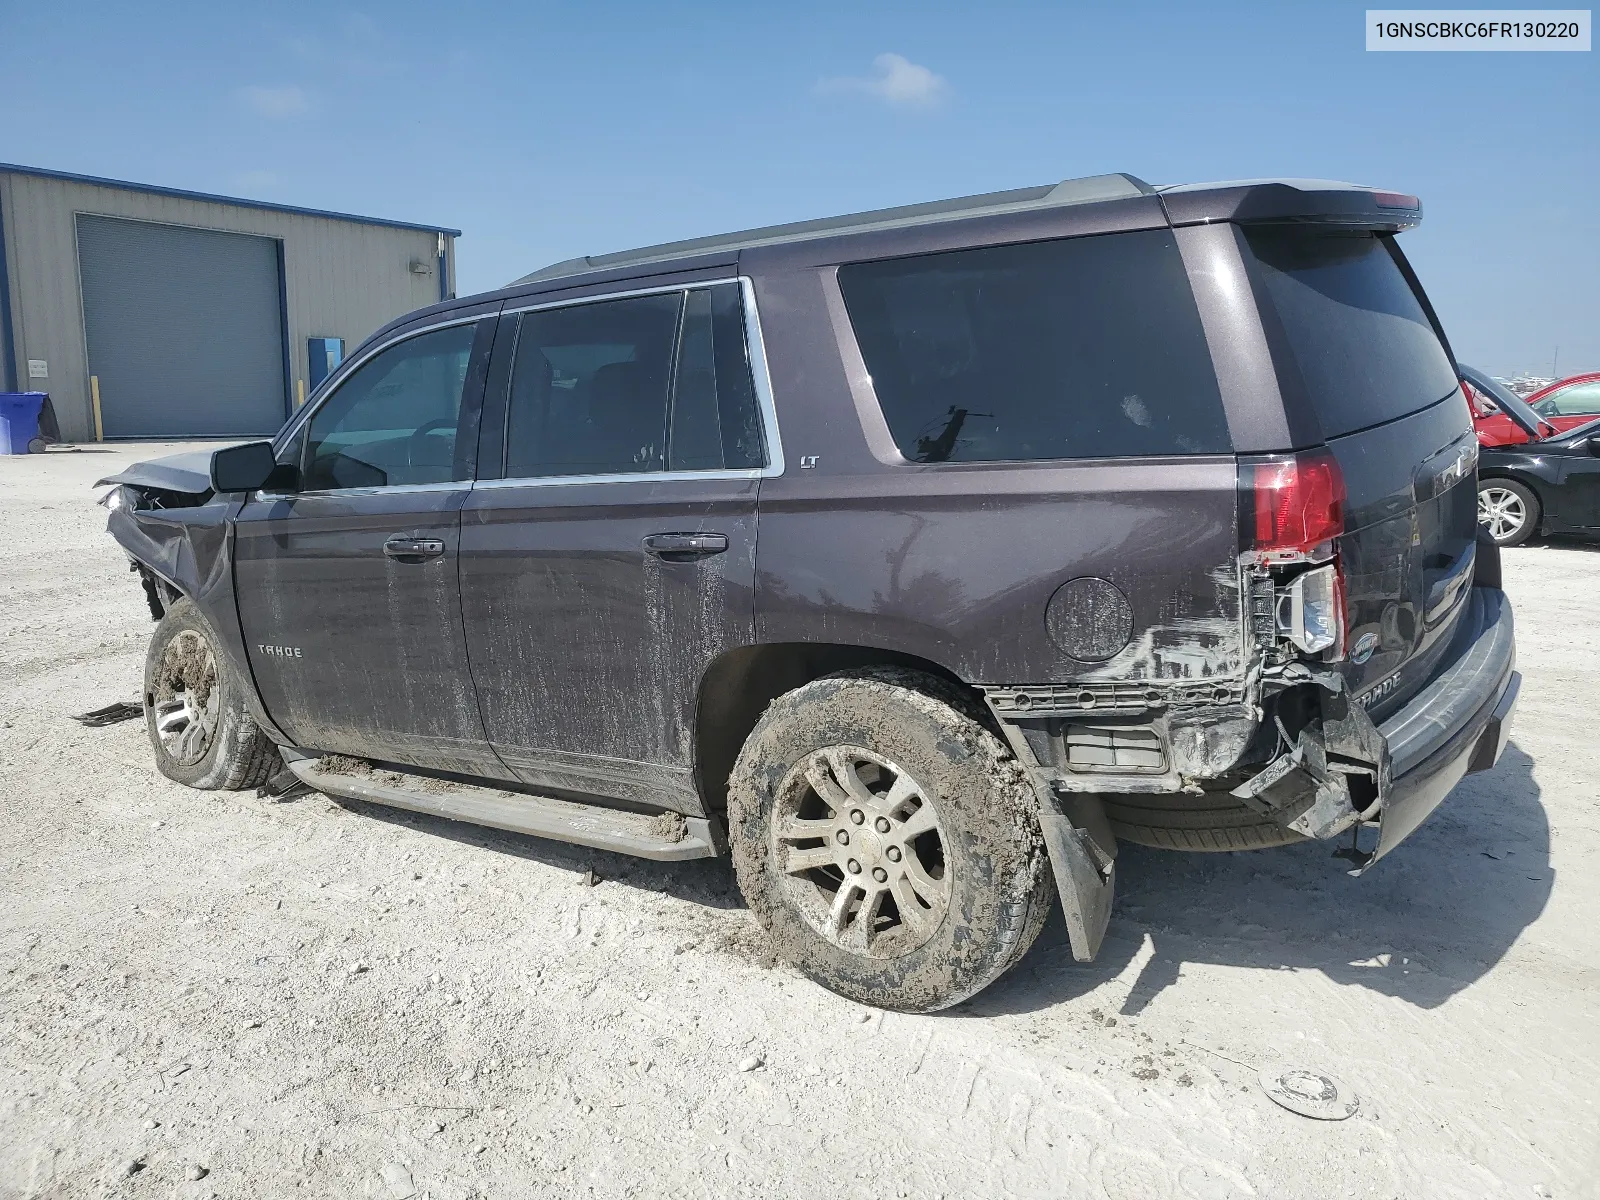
{"points": [[1456, 725], [1344, 772], [1340, 772]]}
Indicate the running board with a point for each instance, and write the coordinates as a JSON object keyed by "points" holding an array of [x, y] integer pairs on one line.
{"points": [[666, 837]]}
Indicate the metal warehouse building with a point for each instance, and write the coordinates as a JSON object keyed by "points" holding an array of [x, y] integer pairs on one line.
{"points": [[149, 312]]}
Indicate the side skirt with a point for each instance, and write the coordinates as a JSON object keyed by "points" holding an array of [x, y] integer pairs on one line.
{"points": [[665, 837]]}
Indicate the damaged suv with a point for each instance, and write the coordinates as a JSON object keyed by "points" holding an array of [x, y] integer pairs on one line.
{"points": [[913, 559]]}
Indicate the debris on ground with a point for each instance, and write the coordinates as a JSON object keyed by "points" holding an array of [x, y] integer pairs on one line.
{"points": [[398, 1180], [111, 714], [588, 878], [1309, 1093], [753, 1063], [283, 786], [196, 1172]]}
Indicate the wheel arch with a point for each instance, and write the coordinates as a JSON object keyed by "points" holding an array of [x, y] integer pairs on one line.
{"points": [[736, 688]]}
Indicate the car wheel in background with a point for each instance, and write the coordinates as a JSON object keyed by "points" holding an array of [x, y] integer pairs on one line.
{"points": [[888, 842], [1508, 510]]}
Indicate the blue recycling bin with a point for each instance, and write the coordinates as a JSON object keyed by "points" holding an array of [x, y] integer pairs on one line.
{"points": [[19, 421]]}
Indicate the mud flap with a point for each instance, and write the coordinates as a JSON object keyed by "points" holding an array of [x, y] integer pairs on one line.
{"points": [[1086, 873]]}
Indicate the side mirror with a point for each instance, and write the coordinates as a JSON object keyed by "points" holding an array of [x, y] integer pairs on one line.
{"points": [[242, 468]]}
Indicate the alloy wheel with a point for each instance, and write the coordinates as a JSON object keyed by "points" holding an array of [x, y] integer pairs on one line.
{"points": [[186, 700], [860, 851], [1502, 512]]}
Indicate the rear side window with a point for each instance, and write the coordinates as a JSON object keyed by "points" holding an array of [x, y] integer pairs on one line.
{"points": [[1081, 348], [643, 384], [1359, 335]]}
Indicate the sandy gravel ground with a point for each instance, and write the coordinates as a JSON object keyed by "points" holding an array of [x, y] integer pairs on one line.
{"points": [[210, 994]]}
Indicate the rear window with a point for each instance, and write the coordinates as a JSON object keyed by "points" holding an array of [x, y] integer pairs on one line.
{"points": [[1081, 348], [1360, 337]]}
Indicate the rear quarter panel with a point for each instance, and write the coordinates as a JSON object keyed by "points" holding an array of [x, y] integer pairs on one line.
{"points": [[956, 563]]}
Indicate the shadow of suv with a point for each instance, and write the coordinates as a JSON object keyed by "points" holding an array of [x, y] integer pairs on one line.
{"points": [[913, 558]]}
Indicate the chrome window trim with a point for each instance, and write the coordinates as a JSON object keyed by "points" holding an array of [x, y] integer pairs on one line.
{"points": [[755, 349], [522, 481], [391, 489]]}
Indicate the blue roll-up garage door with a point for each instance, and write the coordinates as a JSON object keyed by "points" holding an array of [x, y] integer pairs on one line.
{"points": [[185, 329]]}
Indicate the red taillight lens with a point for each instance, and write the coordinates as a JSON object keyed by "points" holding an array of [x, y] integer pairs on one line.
{"points": [[1396, 200], [1298, 501]]}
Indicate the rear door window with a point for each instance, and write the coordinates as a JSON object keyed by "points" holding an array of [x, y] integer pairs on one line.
{"points": [[1359, 335], [635, 385], [1080, 348]]}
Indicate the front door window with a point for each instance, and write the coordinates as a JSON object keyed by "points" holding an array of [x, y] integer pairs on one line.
{"points": [[394, 420]]}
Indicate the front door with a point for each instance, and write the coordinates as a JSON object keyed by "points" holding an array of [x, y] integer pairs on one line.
{"points": [[1574, 501], [614, 561], [347, 584]]}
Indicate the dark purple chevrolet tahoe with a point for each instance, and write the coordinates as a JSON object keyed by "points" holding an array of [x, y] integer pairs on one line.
{"points": [[913, 559]]}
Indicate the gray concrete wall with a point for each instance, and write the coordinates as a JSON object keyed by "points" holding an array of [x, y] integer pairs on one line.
{"points": [[342, 278]]}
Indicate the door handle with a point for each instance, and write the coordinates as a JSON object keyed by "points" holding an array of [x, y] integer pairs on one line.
{"points": [[413, 549], [681, 547]]}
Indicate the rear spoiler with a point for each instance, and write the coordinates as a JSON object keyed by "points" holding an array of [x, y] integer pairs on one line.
{"points": [[1306, 201]]}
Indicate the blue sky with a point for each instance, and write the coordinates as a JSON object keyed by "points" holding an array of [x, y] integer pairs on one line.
{"points": [[549, 130]]}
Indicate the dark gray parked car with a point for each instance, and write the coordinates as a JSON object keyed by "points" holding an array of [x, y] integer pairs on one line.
{"points": [[914, 559]]}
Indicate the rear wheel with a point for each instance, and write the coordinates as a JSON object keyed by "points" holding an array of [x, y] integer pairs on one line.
{"points": [[194, 709], [1211, 822], [1508, 510], [887, 841]]}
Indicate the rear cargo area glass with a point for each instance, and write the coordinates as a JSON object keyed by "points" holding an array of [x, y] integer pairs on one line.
{"points": [[1358, 334], [1078, 348]]}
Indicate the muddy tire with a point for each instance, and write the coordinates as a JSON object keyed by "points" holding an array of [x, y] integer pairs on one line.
{"points": [[887, 841], [194, 709], [1212, 822]]}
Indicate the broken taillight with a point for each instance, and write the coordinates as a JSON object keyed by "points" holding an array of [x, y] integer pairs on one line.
{"points": [[1293, 510], [1297, 504]]}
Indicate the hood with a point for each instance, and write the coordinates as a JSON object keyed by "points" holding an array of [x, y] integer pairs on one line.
{"points": [[187, 472], [1513, 405]]}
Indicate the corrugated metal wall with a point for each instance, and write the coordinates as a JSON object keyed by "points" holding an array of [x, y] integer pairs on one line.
{"points": [[341, 278]]}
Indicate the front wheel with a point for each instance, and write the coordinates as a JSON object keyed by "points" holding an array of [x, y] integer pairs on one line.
{"points": [[888, 842], [194, 709], [1508, 510]]}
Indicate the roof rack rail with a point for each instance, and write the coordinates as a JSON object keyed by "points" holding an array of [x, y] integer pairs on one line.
{"points": [[1093, 188]]}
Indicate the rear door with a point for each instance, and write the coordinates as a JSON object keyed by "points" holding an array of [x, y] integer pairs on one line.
{"points": [[347, 586], [1358, 355], [614, 556]]}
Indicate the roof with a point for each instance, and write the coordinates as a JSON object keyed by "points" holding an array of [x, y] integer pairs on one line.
{"points": [[1245, 200], [1071, 191], [209, 198]]}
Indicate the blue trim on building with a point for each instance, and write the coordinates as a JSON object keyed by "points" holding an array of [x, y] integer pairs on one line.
{"points": [[8, 346], [283, 319], [208, 198]]}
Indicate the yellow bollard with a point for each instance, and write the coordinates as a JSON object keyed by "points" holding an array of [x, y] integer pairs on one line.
{"points": [[299, 393], [94, 395]]}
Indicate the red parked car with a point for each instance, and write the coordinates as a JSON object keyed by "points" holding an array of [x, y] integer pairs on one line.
{"points": [[1562, 405]]}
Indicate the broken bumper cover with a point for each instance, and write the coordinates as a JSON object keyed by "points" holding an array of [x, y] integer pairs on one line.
{"points": [[1458, 723]]}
